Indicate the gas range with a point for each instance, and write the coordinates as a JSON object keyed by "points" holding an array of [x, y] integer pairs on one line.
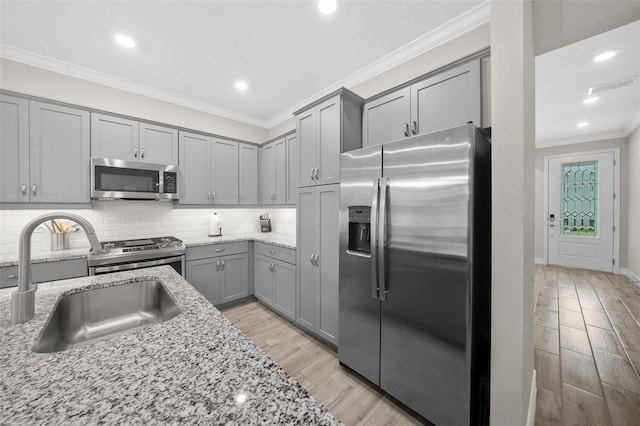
{"points": [[127, 251]]}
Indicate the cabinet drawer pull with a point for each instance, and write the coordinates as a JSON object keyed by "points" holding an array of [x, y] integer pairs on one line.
{"points": [[272, 251], [12, 276], [219, 250]]}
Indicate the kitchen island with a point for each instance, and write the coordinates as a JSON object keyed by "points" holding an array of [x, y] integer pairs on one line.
{"points": [[194, 368]]}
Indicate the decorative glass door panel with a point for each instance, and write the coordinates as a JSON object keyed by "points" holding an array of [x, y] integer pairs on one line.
{"points": [[579, 192]]}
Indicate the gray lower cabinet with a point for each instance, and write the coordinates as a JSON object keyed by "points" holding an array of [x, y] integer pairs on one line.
{"points": [[220, 272], [44, 152], [208, 170], [46, 271], [274, 278], [248, 174], [317, 260], [448, 99], [125, 139]]}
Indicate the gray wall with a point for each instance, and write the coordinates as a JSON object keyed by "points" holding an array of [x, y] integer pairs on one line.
{"points": [[632, 212]]}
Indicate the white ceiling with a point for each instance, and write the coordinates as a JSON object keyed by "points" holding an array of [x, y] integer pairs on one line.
{"points": [[191, 52], [564, 76]]}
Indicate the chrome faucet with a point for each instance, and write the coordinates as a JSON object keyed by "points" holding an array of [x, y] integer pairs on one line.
{"points": [[24, 298]]}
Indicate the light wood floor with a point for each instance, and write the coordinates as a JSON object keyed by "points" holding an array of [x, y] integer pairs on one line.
{"points": [[586, 348], [315, 366], [586, 354]]}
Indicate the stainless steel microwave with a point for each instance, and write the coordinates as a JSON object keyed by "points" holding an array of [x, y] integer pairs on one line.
{"points": [[119, 179]]}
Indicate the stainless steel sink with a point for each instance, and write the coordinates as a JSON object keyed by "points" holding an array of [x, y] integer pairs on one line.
{"points": [[81, 318]]}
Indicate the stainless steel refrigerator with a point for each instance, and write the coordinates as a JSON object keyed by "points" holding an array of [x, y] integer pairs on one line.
{"points": [[415, 277]]}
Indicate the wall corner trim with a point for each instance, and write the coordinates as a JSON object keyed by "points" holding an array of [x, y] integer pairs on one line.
{"points": [[531, 413]]}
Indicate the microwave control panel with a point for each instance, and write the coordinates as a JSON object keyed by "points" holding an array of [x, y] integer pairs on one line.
{"points": [[170, 182]]}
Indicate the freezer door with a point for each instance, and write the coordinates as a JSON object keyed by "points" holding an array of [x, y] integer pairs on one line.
{"points": [[359, 333], [424, 318]]}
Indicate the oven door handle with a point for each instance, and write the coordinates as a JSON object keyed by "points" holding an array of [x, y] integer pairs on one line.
{"points": [[136, 265]]}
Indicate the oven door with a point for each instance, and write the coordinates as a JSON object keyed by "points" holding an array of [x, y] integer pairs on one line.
{"points": [[176, 262]]}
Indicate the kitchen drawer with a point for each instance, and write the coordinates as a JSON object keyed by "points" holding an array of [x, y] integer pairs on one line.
{"points": [[46, 271], [215, 250], [281, 253]]}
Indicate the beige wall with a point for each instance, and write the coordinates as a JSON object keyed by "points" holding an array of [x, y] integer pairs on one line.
{"points": [[512, 264], [29, 80], [632, 212], [560, 23], [577, 148]]}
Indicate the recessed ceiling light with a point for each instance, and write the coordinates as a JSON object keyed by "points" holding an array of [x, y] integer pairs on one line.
{"points": [[327, 6], [582, 124], [591, 99], [241, 85], [126, 41], [605, 56]]}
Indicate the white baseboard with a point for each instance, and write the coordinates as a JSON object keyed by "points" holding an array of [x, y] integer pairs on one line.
{"points": [[629, 274], [531, 414], [540, 261]]}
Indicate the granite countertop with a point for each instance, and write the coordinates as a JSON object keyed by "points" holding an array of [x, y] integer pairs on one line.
{"points": [[283, 240], [188, 369]]}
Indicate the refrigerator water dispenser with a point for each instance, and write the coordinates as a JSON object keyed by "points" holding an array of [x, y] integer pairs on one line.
{"points": [[359, 229]]}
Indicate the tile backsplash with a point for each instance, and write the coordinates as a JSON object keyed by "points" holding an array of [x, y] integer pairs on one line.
{"points": [[114, 220]]}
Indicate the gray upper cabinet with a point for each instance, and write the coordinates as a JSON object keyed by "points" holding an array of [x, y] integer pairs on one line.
{"points": [[158, 144], [124, 139], [45, 152], [59, 159], [208, 170], [274, 172], [447, 99], [225, 172], [14, 149], [317, 260], [292, 167], [385, 119], [248, 174], [195, 168], [325, 129]]}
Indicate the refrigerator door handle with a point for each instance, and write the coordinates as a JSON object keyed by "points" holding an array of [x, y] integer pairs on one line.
{"points": [[381, 247], [374, 238]]}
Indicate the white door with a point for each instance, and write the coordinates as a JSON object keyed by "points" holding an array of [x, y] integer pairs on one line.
{"points": [[581, 207]]}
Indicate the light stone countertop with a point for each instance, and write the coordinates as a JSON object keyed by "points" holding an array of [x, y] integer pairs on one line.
{"points": [[188, 369], [283, 240]]}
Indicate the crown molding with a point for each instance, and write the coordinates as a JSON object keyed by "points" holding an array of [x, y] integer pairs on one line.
{"points": [[617, 134], [446, 32], [457, 26]]}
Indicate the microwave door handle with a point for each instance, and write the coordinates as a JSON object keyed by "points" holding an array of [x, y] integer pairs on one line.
{"points": [[382, 237], [374, 238]]}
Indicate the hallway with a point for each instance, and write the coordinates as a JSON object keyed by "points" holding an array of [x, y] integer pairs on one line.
{"points": [[586, 348]]}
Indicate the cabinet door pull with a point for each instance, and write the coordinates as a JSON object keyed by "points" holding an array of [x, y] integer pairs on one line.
{"points": [[405, 129], [219, 250], [218, 265], [142, 152], [315, 173], [135, 152], [272, 251], [414, 127], [312, 258], [24, 189], [222, 265], [213, 195], [34, 189], [312, 174], [315, 261]]}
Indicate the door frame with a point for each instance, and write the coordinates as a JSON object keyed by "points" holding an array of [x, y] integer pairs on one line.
{"points": [[616, 200]]}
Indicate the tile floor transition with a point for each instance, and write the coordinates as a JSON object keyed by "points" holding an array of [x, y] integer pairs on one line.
{"points": [[586, 354]]}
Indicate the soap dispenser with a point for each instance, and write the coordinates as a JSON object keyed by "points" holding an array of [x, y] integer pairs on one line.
{"points": [[215, 225]]}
